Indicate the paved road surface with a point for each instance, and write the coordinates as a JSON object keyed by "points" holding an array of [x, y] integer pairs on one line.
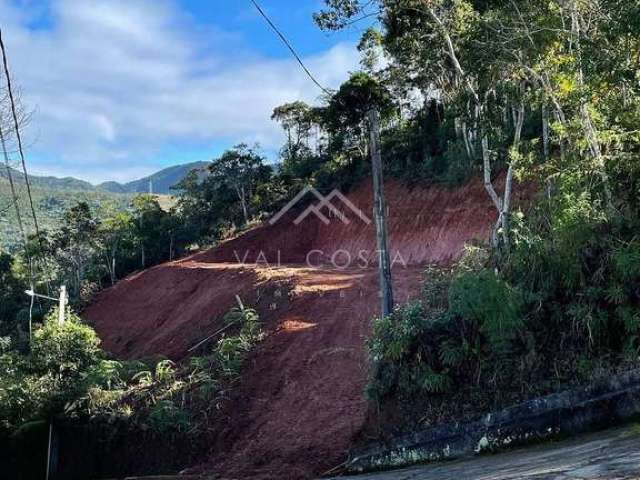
{"points": [[612, 454]]}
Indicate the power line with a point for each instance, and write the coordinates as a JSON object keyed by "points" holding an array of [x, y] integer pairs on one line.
{"points": [[290, 47], [18, 136], [16, 126], [14, 197]]}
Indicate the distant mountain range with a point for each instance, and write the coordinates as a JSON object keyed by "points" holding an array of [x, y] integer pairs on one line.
{"points": [[159, 182]]}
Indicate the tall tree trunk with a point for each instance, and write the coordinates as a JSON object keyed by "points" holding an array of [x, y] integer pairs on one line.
{"points": [[114, 253], [545, 130], [590, 130], [243, 201], [508, 183], [502, 205], [477, 115], [467, 141], [486, 168]]}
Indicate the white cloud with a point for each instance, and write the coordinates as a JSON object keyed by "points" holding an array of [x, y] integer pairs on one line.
{"points": [[113, 82]]}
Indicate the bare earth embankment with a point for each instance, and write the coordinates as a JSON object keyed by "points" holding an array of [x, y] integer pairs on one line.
{"points": [[300, 402]]}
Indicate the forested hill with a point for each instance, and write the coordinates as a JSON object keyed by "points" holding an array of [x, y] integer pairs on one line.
{"points": [[48, 182], [52, 196], [161, 182]]}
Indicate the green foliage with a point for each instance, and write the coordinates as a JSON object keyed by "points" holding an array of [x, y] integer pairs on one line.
{"points": [[169, 397], [66, 350], [12, 297], [561, 306], [58, 369], [348, 107], [50, 203], [458, 169], [231, 351], [466, 317], [556, 302], [393, 346], [396, 334], [235, 189], [92, 248], [66, 375], [489, 304], [165, 416]]}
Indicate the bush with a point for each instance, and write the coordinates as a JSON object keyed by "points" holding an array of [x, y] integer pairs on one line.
{"points": [[55, 372], [467, 316], [558, 307], [167, 397], [490, 305], [458, 169]]}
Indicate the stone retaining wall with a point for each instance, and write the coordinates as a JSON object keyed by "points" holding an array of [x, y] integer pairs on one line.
{"points": [[574, 411]]}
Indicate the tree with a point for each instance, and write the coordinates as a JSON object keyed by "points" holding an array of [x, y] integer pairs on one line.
{"points": [[495, 64], [74, 245], [149, 233], [241, 169], [56, 371], [297, 121], [12, 297], [114, 231], [346, 112]]}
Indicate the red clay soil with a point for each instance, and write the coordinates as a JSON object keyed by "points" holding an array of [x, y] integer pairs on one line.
{"points": [[426, 225], [300, 403]]}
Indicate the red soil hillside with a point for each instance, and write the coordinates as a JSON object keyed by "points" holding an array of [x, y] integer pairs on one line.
{"points": [[426, 225], [300, 402]]}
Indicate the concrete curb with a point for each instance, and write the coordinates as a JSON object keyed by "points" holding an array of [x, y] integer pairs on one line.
{"points": [[570, 412]]}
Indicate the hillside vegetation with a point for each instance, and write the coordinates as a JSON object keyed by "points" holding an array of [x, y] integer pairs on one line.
{"points": [[47, 182], [53, 196], [160, 182], [50, 200]]}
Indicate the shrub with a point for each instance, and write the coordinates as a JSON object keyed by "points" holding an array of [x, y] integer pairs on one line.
{"points": [[558, 307], [489, 305], [56, 372], [466, 317]]}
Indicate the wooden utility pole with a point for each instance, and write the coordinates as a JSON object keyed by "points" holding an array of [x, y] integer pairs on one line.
{"points": [[52, 452], [380, 214]]}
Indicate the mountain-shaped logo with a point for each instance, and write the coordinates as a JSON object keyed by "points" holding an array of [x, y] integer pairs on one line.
{"points": [[316, 209]]}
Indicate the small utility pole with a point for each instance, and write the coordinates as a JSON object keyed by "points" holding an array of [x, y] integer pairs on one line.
{"points": [[62, 304], [62, 301], [379, 213], [62, 307]]}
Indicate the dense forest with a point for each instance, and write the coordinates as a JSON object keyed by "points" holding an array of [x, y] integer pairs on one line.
{"points": [[537, 95]]}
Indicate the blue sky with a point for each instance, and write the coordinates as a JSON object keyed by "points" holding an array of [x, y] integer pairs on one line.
{"points": [[121, 88]]}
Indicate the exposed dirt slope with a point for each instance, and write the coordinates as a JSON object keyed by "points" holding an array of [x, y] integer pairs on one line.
{"points": [[426, 225], [301, 402]]}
